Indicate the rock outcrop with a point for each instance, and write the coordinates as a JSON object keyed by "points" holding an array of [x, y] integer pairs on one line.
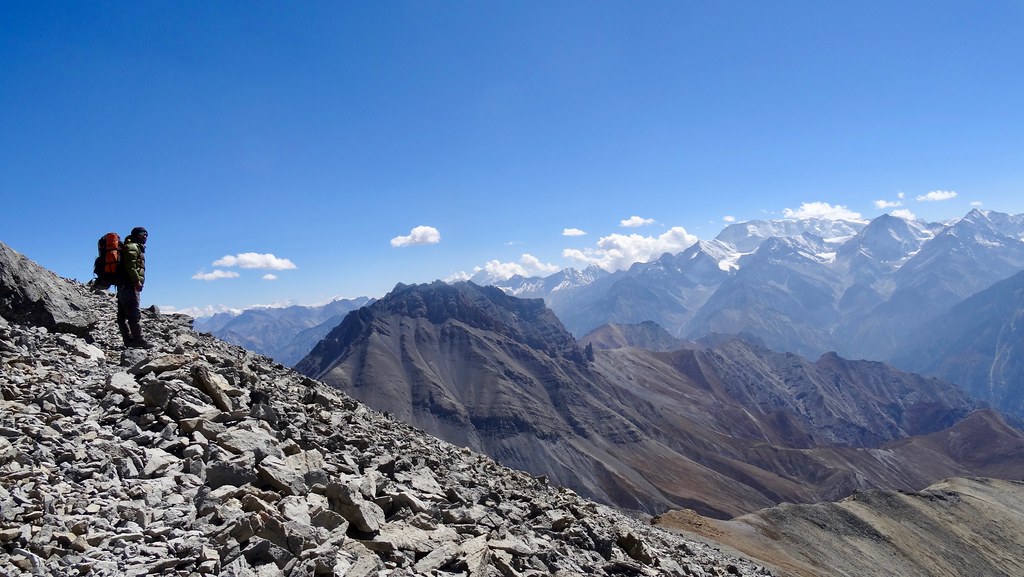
{"points": [[33, 295], [200, 458]]}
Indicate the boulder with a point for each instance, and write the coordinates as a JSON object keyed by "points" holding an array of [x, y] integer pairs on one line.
{"points": [[32, 295]]}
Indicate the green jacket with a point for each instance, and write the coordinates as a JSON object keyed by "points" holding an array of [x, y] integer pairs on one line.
{"points": [[133, 258]]}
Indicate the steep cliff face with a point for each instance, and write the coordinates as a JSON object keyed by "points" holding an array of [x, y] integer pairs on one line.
{"points": [[482, 369], [725, 430]]}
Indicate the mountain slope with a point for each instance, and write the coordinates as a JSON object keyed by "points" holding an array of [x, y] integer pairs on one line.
{"points": [[952, 528], [978, 344], [725, 430], [197, 457], [960, 260], [647, 335], [784, 295]]}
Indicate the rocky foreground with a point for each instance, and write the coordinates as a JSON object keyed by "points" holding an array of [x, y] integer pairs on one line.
{"points": [[200, 458]]}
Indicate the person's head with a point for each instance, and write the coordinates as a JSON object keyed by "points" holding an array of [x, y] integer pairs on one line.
{"points": [[140, 235]]}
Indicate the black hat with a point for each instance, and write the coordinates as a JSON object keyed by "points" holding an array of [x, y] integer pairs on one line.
{"points": [[139, 230]]}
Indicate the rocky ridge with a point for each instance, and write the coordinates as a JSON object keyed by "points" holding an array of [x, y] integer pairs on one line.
{"points": [[200, 458]]}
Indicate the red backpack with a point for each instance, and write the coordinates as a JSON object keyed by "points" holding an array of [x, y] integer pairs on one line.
{"points": [[107, 267]]}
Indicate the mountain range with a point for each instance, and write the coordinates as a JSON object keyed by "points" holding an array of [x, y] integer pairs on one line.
{"points": [[725, 428], [978, 343], [286, 334], [809, 286], [874, 290]]}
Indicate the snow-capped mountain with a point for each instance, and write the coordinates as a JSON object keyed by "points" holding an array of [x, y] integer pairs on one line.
{"points": [[747, 236], [530, 287], [806, 286]]}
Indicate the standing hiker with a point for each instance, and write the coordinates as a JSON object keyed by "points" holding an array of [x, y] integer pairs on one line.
{"points": [[129, 287]]}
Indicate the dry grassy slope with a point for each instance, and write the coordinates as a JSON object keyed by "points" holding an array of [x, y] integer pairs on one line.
{"points": [[954, 528]]}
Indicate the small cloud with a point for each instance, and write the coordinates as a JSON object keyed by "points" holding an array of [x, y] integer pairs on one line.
{"points": [[461, 275], [904, 214], [418, 236], [635, 221], [620, 251], [901, 195], [533, 264], [527, 266], [215, 275], [977, 203], [883, 204], [255, 260], [728, 218], [573, 232], [936, 196], [822, 210], [270, 277], [197, 312]]}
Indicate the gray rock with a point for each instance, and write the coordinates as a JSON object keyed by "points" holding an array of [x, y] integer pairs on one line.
{"points": [[223, 468], [214, 385], [123, 383], [32, 295], [252, 437]]}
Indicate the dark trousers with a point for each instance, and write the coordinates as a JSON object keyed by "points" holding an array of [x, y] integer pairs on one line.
{"points": [[128, 313]]}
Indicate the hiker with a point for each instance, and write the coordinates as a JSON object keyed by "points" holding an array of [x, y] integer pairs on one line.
{"points": [[129, 287]]}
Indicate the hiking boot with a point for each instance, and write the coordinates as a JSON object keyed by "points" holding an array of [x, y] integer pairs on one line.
{"points": [[139, 343]]}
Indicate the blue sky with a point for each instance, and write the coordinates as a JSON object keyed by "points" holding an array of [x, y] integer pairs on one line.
{"points": [[364, 144]]}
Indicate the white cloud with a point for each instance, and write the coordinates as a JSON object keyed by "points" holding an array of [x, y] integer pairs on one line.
{"points": [[901, 195], [883, 204], [573, 232], [976, 203], [255, 260], [270, 277], [635, 221], [461, 275], [822, 210], [196, 312], [904, 214], [619, 251], [728, 218], [528, 265], [417, 236], [533, 263], [936, 195], [215, 275]]}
